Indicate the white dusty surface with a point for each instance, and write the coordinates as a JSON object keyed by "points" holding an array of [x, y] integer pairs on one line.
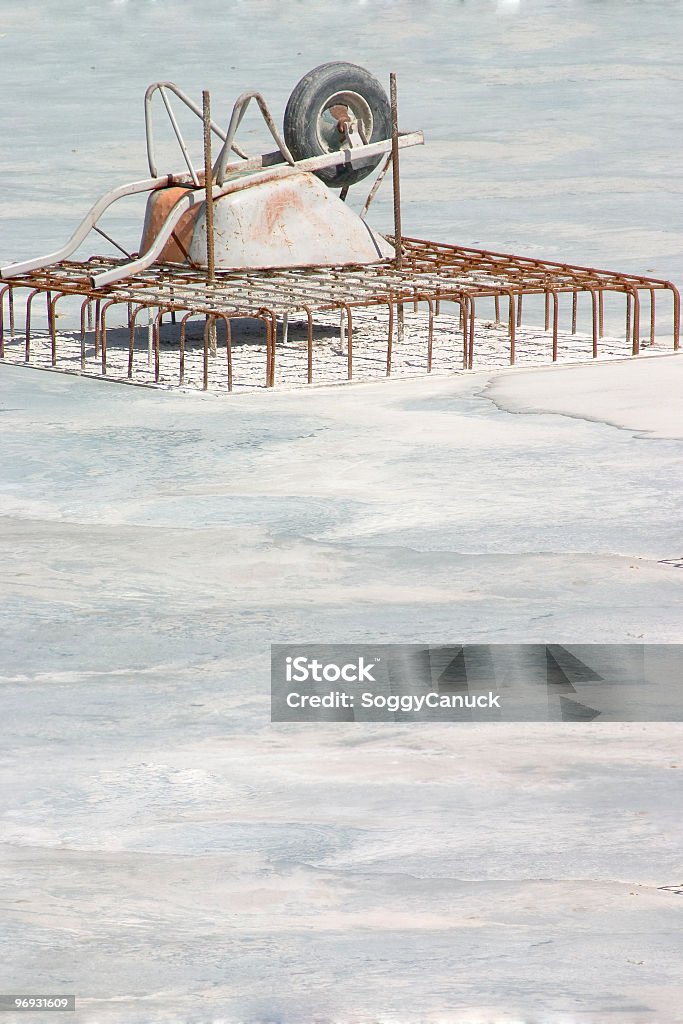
{"points": [[635, 398], [171, 856], [409, 352], [167, 854]]}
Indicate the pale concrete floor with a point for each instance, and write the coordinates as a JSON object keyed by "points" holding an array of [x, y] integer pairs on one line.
{"points": [[170, 856]]}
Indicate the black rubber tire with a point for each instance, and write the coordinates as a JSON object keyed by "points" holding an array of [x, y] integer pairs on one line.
{"points": [[306, 107]]}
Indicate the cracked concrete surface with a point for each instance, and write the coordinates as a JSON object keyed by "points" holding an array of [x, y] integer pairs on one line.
{"points": [[170, 856]]}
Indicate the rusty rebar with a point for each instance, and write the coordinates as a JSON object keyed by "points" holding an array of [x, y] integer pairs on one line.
{"points": [[6, 288], [132, 327], [103, 333], [431, 273], [270, 319], [208, 187], [156, 345], [636, 323], [205, 364], [513, 322], [269, 328], [228, 347], [84, 305], [98, 304], [594, 321], [349, 340], [396, 175], [464, 322], [628, 316], [53, 326], [27, 340], [390, 336], [309, 344], [181, 361], [375, 188], [677, 317]]}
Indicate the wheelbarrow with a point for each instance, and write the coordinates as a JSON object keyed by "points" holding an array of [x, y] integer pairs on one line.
{"points": [[274, 210], [270, 238]]}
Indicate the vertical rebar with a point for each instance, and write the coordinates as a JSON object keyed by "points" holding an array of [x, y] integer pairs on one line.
{"points": [[675, 295], [349, 342], [84, 304], [398, 245], [228, 349], [309, 344], [208, 216], [98, 305], [628, 318], [269, 327], [27, 344], [390, 336], [181, 364], [273, 343], [636, 323], [52, 322], [513, 322], [103, 338], [131, 343], [157, 353], [208, 185], [205, 360], [464, 310]]}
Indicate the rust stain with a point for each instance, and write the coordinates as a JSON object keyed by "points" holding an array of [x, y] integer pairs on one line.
{"points": [[275, 207], [159, 205]]}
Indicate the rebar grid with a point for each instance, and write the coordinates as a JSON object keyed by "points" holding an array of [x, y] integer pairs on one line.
{"points": [[429, 273]]}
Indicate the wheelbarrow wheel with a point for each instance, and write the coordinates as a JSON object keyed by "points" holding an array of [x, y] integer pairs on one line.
{"points": [[325, 98]]}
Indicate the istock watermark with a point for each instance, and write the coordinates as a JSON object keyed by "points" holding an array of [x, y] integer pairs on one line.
{"points": [[303, 669], [476, 682]]}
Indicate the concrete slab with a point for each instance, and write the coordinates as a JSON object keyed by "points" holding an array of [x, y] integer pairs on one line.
{"points": [[167, 854], [170, 856]]}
